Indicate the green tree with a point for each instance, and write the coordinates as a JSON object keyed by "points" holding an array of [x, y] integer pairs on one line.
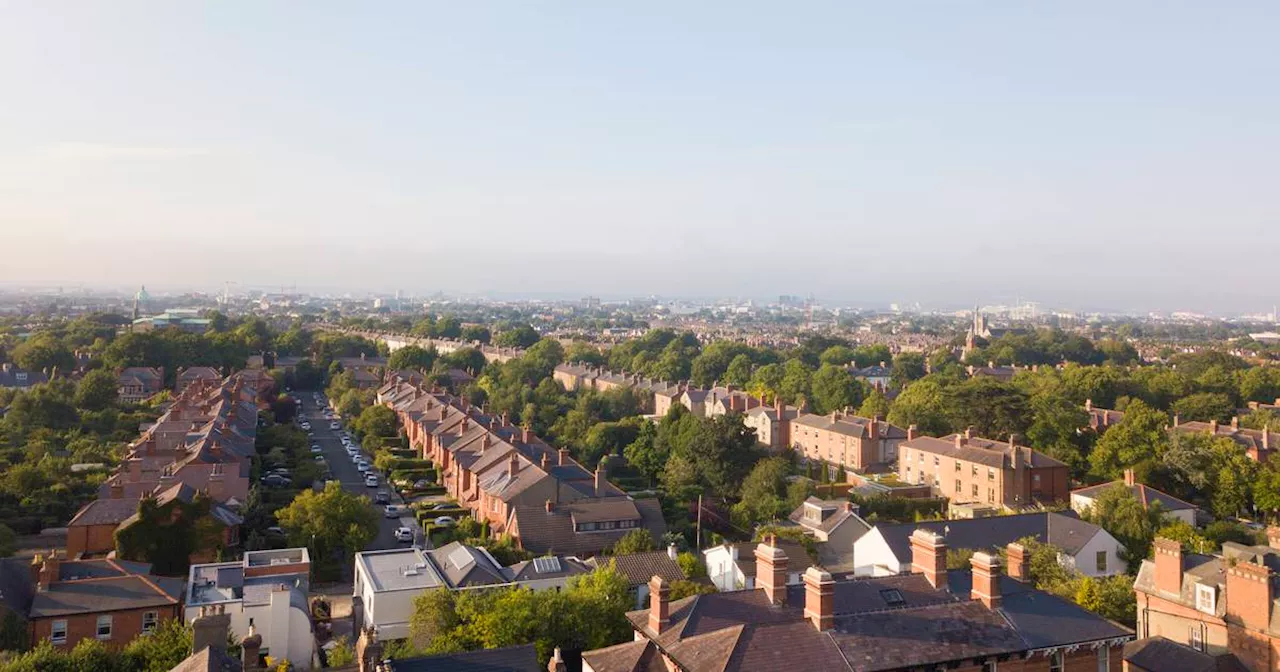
{"points": [[876, 405], [993, 409], [8, 541], [475, 333], [739, 371], [376, 420], [907, 367], [764, 493], [838, 355], [96, 390], [167, 534], [1205, 406], [330, 520], [795, 381], [1055, 430], [412, 357], [1117, 511], [1266, 489], [43, 351], [1139, 436], [516, 336], [833, 389], [167, 646], [635, 541], [922, 404], [767, 381]]}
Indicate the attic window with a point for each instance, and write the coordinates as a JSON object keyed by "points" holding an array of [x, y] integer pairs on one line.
{"points": [[1206, 599], [892, 597]]}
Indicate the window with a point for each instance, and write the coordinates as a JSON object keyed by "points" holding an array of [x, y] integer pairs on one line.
{"points": [[149, 619], [58, 632], [975, 489], [958, 487], [104, 627], [1104, 658], [957, 466], [989, 666], [921, 458], [975, 471], [1206, 599], [991, 495], [1101, 561], [936, 461], [1055, 662], [892, 597], [1035, 481], [991, 474], [1196, 637]]}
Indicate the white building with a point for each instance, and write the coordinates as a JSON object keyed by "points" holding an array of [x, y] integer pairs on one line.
{"points": [[1082, 499], [886, 549], [729, 569], [266, 590]]}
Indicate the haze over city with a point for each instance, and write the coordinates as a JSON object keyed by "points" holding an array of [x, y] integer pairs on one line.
{"points": [[1090, 155]]}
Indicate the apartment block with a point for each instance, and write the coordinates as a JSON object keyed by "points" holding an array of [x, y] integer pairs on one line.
{"points": [[969, 469]]}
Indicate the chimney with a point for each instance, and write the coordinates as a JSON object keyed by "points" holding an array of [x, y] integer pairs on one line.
{"points": [[968, 432], [986, 579], [1266, 438], [1177, 419], [929, 556], [659, 605], [1235, 423], [1213, 427], [546, 462], [1128, 477], [601, 479], [249, 648], [368, 651], [49, 571], [210, 629], [514, 464], [1168, 566], [486, 442], [117, 489], [525, 434], [1248, 595], [563, 455], [1273, 537], [912, 431], [1088, 404], [961, 440], [819, 598], [771, 570], [506, 420], [550, 506], [1019, 563], [873, 428], [672, 552], [556, 664]]}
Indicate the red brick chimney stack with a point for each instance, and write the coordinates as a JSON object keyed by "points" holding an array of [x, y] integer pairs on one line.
{"points": [[771, 570], [929, 556], [1129, 479], [1248, 595], [1168, 565], [659, 605], [1019, 562], [819, 598], [986, 579]]}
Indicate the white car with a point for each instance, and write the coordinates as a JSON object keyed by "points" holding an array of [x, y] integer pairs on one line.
{"points": [[445, 521], [315, 448], [404, 534], [393, 511], [371, 481], [362, 466], [334, 426]]}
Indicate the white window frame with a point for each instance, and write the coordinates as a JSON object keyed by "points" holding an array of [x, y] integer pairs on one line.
{"points": [[107, 620], [1206, 599], [150, 620], [54, 627], [1057, 661], [1196, 637], [1104, 658], [990, 666], [1100, 561]]}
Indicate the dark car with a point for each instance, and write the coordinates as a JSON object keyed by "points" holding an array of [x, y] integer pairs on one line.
{"points": [[275, 481], [381, 497]]}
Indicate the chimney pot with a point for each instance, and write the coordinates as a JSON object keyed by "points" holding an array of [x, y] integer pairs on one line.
{"points": [[819, 598], [1019, 563], [771, 570], [929, 556], [1129, 477], [986, 579], [659, 604], [550, 506]]}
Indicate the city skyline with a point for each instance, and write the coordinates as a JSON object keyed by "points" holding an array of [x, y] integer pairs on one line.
{"points": [[861, 154]]}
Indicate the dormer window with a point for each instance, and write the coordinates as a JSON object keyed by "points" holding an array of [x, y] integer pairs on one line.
{"points": [[1206, 599]]}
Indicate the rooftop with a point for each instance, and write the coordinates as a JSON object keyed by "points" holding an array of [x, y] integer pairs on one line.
{"points": [[399, 569]]}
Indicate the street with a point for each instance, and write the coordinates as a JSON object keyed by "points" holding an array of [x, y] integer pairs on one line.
{"points": [[347, 474]]}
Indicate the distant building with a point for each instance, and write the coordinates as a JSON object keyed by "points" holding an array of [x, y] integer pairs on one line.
{"points": [[1101, 419], [13, 377], [969, 469], [136, 384], [195, 374], [1083, 498], [186, 319], [1258, 444], [846, 442]]}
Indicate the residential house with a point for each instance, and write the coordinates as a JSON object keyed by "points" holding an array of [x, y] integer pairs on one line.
{"points": [[1157, 654], [933, 618], [666, 397], [730, 569], [387, 582], [1101, 419], [1001, 373], [1260, 406], [1217, 604], [266, 590], [136, 384], [14, 377], [362, 362], [202, 374], [886, 549], [583, 527], [1083, 498], [876, 375], [113, 601], [772, 424], [969, 469], [635, 567], [1258, 444], [847, 443], [727, 399], [835, 525]]}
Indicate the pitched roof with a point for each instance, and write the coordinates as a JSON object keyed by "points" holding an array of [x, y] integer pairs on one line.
{"points": [[105, 512], [982, 451], [109, 586], [541, 532], [1158, 654], [639, 568], [553, 567], [1064, 530], [464, 566], [834, 514], [635, 656], [851, 425], [209, 659], [523, 658], [1144, 493], [16, 586]]}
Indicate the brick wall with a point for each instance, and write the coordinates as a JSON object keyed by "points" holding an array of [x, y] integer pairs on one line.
{"points": [[125, 626], [90, 539]]}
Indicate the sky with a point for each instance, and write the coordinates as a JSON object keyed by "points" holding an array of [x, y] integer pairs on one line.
{"points": [[1083, 154]]}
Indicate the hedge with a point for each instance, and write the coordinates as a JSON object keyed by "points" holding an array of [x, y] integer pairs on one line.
{"points": [[413, 475], [395, 463], [425, 515]]}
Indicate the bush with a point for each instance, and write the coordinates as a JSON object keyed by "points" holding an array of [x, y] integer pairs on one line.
{"points": [[413, 475]]}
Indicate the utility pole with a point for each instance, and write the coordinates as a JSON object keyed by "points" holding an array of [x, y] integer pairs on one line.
{"points": [[699, 544]]}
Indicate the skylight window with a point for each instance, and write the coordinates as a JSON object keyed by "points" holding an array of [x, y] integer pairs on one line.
{"points": [[892, 597]]}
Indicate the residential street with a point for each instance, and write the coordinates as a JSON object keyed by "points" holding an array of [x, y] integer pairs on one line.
{"points": [[350, 477]]}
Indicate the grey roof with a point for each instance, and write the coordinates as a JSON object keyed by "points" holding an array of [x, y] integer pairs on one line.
{"points": [[1157, 654], [1144, 493], [21, 378], [105, 512], [109, 589], [639, 568], [547, 567], [1064, 530], [464, 566], [209, 659], [399, 569], [541, 532], [834, 514], [523, 658], [979, 450], [16, 586]]}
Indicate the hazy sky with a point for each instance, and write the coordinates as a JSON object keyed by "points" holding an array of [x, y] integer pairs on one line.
{"points": [[1085, 154]]}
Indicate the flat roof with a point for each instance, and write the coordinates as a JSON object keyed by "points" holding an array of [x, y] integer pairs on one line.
{"points": [[399, 569]]}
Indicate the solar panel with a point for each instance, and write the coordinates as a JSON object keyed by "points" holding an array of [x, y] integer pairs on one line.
{"points": [[461, 557], [546, 565]]}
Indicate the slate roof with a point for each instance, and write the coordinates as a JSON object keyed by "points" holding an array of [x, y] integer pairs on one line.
{"points": [[639, 568], [522, 658], [16, 587], [465, 566], [209, 659], [540, 532], [1256, 439], [105, 512], [634, 656], [1157, 654], [741, 630], [1062, 529], [981, 451], [1144, 494], [851, 425], [832, 520], [12, 376], [565, 567], [111, 586]]}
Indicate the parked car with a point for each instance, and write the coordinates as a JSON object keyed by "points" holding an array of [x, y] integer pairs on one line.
{"points": [[381, 497], [370, 481], [276, 481], [445, 521], [441, 505], [274, 529], [320, 459], [421, 484], [404, 534], [315, 448], [363, 467], [393, 511], [334, 426]]}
